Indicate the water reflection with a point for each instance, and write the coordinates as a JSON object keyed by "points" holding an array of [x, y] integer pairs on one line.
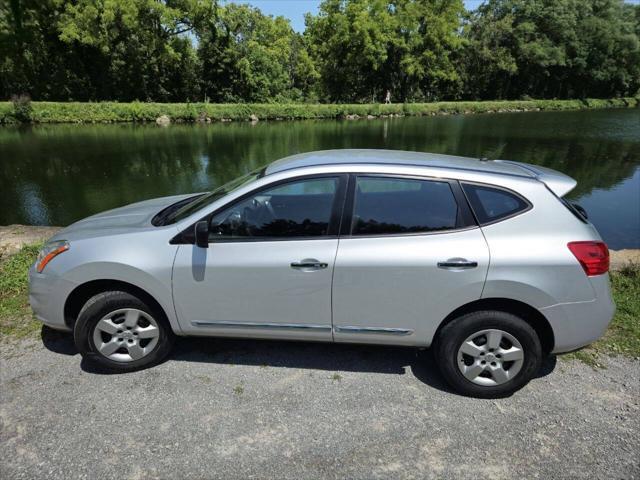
{"points": [[59, 174], [33, 208]]}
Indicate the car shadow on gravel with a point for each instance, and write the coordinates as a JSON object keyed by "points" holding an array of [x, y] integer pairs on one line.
{"points": [[58, 342], [330, 357]]}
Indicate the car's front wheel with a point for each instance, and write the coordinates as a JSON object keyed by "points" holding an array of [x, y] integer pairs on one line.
{"points": [[121, 332], [488, 354]]}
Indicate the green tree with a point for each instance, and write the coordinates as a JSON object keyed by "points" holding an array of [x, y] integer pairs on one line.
{"points": [[144, 42], [303, 71], [250, 57], [551, 48], [365, 47], [100, 49], [352, 51], [32, 59], [350, 42], [431, 42]]}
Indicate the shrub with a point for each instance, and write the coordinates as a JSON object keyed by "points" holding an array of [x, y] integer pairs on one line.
{"points": [[22, 109]]}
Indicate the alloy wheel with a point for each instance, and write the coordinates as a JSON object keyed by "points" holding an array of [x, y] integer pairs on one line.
{"points": [[490, 357], [126, 335]]}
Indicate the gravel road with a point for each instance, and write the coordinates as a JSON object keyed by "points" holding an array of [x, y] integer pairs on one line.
{"points": [[248, 409]]}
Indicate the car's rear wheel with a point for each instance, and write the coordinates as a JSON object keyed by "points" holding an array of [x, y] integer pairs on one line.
{"points": [[121, 332], [488, 354]]}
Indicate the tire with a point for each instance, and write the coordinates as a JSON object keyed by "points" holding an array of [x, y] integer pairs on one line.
{"points": [[120, 333], [487, 372]]}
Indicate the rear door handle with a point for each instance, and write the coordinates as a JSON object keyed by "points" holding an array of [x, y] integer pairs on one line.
{"points": [[457, 263], [309, 264]]}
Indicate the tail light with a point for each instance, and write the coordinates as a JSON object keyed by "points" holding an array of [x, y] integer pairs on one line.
{"points": [[593, 256]]}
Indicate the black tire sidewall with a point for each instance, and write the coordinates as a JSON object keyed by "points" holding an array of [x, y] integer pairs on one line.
{"points": [[104, 303], [457, 331]]}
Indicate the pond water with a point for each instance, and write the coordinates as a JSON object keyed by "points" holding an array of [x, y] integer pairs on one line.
{"points": [[54, 175]]}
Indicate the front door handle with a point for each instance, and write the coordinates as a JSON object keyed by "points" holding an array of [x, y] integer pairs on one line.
{"points": [[309, 264], [457, 263]]}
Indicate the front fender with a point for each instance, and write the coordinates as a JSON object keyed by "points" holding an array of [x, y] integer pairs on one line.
{"points": [[156, 283]]}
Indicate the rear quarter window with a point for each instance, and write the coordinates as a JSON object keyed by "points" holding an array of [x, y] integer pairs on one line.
{"points": [[491, 204]]}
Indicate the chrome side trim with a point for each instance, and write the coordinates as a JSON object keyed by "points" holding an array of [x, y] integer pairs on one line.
{"points": [[376, 330], [276, 326]]}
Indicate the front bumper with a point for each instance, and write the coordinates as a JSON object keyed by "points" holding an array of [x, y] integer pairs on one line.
{"points": [[47, 295]]}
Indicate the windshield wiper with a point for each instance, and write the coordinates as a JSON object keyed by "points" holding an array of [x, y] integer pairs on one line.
{"points": [[161, 217]]}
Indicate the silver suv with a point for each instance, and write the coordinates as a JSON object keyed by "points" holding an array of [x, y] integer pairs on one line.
{"points": [[483, 260]]}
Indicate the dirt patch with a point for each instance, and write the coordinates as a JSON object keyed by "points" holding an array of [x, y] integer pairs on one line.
{"points": [[14, 237], [620, 258]]}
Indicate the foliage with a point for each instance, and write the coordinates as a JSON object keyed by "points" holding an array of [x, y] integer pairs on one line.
{"points": [[15, 314], [22, 108], [365, 47], [623, 335], [552, 49], [350, 43], [103, 49], [351, 51], [246, 56], [111, 112]]}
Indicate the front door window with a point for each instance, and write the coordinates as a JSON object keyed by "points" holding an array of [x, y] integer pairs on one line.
{"points": [[297, 209]]}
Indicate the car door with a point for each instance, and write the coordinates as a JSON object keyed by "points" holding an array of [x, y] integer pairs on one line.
{"points": [[410, 254], [268, 269]]}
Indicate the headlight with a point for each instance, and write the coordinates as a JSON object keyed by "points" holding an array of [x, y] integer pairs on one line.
{"points": [[49, 252]]}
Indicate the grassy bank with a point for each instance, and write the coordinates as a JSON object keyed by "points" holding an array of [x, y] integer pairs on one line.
{"points": [[77, 112], [16, 319], [622, 337]]}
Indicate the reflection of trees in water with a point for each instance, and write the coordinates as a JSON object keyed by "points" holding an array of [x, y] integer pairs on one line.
{"points": [[373, 227], [597, 165], [275, 228], [281, 227], [79, 170]]}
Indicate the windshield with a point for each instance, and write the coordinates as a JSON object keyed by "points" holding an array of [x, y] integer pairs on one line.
{"points": [[214, 195]]}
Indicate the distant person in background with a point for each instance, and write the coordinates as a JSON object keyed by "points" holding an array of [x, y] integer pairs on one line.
{"points": [[387, 97]]}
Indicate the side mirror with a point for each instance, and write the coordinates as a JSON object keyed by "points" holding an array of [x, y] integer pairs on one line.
{"points": [[202, 234]]}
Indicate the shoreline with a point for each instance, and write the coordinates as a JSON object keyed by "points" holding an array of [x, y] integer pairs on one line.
{"points": [[167, 113], [14, 237]]}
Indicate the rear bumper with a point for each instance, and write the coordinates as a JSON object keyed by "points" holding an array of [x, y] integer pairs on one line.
{"points": [[578, 324], [47, 296]]}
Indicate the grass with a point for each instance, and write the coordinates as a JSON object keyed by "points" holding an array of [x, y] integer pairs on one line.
{"points": [[622, 337], [16, 318], [109, 112]]}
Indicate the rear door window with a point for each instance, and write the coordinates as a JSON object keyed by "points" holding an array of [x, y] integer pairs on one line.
{"points": [[491, 204], [390, 205]]}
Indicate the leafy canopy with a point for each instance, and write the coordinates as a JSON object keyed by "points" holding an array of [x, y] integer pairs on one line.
{"points": [[351, 51]]}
